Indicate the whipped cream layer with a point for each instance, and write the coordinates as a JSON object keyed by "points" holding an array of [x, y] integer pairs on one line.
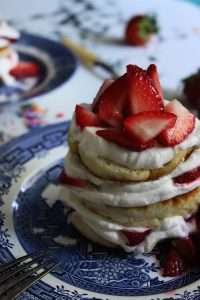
{"points": [[114, 193], [172, 227], [156, 157]]}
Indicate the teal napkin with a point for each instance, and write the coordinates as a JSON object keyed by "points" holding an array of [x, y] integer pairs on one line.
{"points": [[195, 1]]}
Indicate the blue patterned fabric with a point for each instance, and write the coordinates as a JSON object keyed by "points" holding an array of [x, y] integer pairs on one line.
{"points": [[195, 1]]}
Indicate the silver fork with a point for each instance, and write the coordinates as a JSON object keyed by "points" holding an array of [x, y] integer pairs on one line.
{"points": [[19, 274]]}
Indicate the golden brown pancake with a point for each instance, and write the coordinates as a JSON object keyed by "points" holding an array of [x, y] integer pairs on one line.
{"points": [[151, 215], [108, 170]]}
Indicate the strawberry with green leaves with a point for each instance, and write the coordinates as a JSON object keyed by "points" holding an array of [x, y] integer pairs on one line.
{"points": [[140, 29]]}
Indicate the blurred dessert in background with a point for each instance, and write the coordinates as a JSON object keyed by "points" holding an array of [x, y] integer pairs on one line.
{"points": [[12, 70], [8, 56]]}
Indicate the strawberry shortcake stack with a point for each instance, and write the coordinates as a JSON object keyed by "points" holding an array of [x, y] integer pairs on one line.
{"points": [[132, 174]]}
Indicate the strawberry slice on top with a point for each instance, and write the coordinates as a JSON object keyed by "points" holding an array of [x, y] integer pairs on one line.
{"points": [[102, 88], [112, 102], [120, 138], [153, 73], [142, 93], [147, 125], [184, 125], [85, 117]]}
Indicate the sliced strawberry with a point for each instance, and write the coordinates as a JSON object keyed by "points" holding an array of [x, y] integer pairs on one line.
{"points": [[121, 139], [174, 264], [65, 179], [25, 69], [112, 101], [134, 237], [153, 73], [104, 86], [186, 248], [147, 125], [188, 177], [143, 96], [85, 117], [184, 125]]}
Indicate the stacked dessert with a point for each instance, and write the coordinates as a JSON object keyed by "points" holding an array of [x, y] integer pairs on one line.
{"points": [[132, 174], [8, 56]]}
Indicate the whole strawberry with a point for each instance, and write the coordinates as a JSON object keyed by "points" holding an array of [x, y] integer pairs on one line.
{"points": [[191, 89], [140, 29]]}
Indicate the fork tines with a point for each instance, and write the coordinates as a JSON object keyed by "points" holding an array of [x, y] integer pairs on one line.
{"points": [[19, 274]]}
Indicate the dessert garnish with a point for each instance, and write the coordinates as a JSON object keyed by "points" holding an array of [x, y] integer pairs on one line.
{"points": [[140, 29], [182, 128], [133, 111], [122, 139], [148, 125], [12, 70], [84, 117]]}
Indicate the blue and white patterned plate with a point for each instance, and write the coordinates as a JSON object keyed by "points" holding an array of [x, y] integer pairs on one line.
{"points": [[86, 271], [57, 64]]}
